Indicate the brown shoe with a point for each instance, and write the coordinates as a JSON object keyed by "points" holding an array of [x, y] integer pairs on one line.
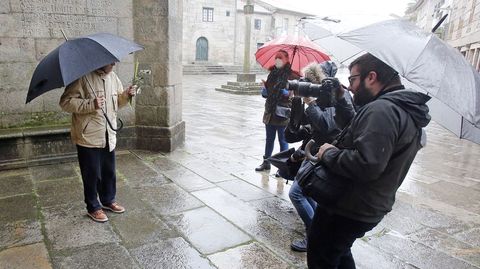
{"points": [[98, 216], [114, 207]]}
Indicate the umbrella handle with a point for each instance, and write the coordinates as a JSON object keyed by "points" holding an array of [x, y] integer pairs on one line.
{"points": [[111, 125], [309, 155]]}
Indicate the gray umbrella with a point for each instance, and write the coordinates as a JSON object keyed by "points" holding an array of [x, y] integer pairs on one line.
{"points": [[76, 58]]}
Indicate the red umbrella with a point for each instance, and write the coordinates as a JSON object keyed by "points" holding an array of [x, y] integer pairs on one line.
{"points": [[300, 49]]}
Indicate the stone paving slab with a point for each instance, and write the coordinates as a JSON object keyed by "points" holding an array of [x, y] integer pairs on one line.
{"points": [[207, 231], [14, 185], [417, 254], [96, 256], [20, 233], [28, 256], [208, 171], [136, 228], [18, 208], [247, 256], [169, 199], [66, 228], [137, 173], [243, 190], [280, 210], [266, 181], [53, 172], [187, 179], [59, 192], [255, 223], [172, 253]]}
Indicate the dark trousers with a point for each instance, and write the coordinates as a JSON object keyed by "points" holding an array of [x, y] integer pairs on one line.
{"points": [[330, 238], [97, 166]]}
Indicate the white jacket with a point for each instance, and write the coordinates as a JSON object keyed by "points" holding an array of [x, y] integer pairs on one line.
{"points": [[89, 126]]}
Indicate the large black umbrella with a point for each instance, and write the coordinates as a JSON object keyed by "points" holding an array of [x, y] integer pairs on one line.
{"points": [[75, 58]]}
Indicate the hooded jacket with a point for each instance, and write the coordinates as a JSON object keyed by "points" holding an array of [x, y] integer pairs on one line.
{"points": [[326, 122], [374, 155]]}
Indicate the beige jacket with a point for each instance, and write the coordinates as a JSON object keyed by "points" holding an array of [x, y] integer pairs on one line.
{"points": [[89, 126]]}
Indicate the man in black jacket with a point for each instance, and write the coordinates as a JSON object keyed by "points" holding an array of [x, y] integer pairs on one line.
{"points": [[373, 156]]}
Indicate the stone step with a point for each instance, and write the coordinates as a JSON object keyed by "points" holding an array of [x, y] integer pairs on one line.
{"points": [[256, 84], [250, 88], [203, 69], [238, 91]]}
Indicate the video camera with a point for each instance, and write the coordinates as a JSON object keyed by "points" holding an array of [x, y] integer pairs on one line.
{"points": [[324, 92]]}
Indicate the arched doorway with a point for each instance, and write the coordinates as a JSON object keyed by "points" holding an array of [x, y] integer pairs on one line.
{"points": [[202, 49]]}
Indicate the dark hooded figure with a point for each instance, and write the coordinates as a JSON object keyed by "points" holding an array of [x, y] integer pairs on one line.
{"points": [[373, 156]]}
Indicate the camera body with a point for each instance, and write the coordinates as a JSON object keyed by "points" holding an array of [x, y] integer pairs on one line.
{"points": [[324, 92]]}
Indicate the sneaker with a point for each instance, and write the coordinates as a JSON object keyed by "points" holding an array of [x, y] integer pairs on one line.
{"points": [[299, 245], [98, 216], [114, 207]]}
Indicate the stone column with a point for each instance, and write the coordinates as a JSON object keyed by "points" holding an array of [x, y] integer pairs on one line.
{"points": [[248, 11], [246, 76], [158, 111]]}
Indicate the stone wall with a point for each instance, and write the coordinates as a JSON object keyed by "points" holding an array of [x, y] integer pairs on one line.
{"points": [[30, 30]]}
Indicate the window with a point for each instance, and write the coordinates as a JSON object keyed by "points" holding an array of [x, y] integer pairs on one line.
{"points": [[285, 24], [227, 13], [258, 24], [207, 14]]}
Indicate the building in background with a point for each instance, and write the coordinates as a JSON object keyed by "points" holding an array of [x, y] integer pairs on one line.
{"points": [[213, 30], [461, 29]]}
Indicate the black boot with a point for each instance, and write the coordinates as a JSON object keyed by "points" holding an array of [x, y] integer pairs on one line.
{"points": [[264, 166]]}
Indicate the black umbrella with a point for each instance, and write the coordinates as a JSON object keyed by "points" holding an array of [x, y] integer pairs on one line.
{"points": [[282, 161], [75, 58]]}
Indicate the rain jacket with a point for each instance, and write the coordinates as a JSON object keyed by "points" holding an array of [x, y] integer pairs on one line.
{"points": [[376, 152], [327, 122], [89, 127]]}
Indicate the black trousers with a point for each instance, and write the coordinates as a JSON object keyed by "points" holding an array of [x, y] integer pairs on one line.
{"points": [[97, 166], [330, 238]]}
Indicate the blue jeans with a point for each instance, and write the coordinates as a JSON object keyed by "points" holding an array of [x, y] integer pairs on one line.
{"points": [[271, 130], [304, 205], [97, 166]]}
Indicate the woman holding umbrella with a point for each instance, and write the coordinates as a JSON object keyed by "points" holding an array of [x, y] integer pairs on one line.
{"points": [[277, 105]]}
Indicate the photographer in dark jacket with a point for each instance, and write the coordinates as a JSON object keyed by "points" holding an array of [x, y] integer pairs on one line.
{"points": [[318, 123], [373, 156]]}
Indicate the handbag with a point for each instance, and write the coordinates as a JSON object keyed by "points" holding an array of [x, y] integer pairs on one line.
{"points": [[282, 112]]}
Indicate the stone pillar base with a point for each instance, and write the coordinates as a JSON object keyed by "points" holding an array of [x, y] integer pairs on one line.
{"points": [[245, 85], [165, 139], [246, 77]]}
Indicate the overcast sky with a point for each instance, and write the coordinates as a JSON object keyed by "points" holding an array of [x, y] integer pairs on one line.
{"points": [[352, 13]]}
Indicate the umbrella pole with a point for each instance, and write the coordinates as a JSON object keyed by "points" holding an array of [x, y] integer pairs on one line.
{"points": [[104, 113], [64, 35]]}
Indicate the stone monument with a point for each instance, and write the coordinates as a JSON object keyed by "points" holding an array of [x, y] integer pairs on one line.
{"points": [[245, 83]]}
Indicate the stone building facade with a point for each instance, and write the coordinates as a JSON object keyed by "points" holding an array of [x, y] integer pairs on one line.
{"points": [[461, 29], [39, 131], [214, 29]]}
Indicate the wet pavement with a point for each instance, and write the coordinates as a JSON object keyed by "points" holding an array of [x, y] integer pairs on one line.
{"points": [[204, 206]]}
